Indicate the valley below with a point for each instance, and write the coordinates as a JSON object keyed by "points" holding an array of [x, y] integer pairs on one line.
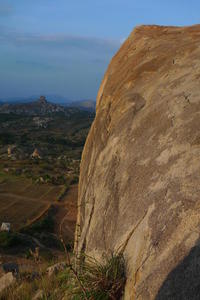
{"points": [[40, 151]]}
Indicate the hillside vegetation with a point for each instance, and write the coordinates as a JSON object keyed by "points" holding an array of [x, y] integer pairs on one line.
{"points": [[40, 150]]}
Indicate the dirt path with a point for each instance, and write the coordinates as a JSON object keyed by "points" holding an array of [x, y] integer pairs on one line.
{"points": [[66, 215]]}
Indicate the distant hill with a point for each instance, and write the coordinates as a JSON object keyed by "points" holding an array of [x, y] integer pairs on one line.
{"points": [[88, 105], [38, 107]]}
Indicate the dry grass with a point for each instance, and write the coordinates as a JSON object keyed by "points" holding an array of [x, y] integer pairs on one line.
{"points": [[25, 290], [92, 281], [26, 287]]}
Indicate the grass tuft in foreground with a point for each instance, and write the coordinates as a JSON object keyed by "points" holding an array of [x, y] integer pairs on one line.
{"points": [[100, 281]]}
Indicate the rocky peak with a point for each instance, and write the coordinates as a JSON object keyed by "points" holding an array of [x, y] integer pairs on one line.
{"points": [[42, 100]]}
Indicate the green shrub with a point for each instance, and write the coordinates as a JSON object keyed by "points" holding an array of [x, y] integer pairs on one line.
{"points": [[46, 224], [9, 239]]}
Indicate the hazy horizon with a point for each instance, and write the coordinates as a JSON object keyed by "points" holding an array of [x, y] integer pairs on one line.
{"points": [[49, 98], [65, 49]]}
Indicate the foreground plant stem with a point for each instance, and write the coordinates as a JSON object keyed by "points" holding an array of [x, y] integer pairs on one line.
{"points": [[69, 264]]}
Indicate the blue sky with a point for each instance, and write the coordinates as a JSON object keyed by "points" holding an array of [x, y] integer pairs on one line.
{"points": [[63, 47]]}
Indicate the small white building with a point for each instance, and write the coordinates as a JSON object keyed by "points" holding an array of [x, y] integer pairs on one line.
{"points": [[5, 227]]}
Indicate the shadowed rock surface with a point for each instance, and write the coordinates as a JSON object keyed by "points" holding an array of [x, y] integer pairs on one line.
{"points": [[183, 281], [140, 172]]}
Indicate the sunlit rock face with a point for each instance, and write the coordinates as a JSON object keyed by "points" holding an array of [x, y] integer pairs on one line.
{"points": [[139, 190]]}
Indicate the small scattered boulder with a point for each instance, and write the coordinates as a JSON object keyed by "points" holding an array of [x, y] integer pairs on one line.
{"points": [[6, 281], [11, 150], [36, 154], [53, 270]]}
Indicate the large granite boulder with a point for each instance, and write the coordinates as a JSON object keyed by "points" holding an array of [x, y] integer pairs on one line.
{"points": [[139, 190]]}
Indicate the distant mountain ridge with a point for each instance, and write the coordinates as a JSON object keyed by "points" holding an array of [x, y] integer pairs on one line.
{"points": [[57, 99], [38, 107], [88, 105]]}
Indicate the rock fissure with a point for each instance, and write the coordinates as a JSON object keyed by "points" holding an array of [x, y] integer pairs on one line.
{"points": [[142, 265], [122, 247], [82, 242]]}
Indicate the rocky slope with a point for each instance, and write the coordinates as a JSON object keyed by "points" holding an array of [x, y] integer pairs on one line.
{"points": [[140, 172]]}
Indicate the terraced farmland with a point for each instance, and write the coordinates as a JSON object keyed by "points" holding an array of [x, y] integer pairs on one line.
{"points": [[21, 201]]}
